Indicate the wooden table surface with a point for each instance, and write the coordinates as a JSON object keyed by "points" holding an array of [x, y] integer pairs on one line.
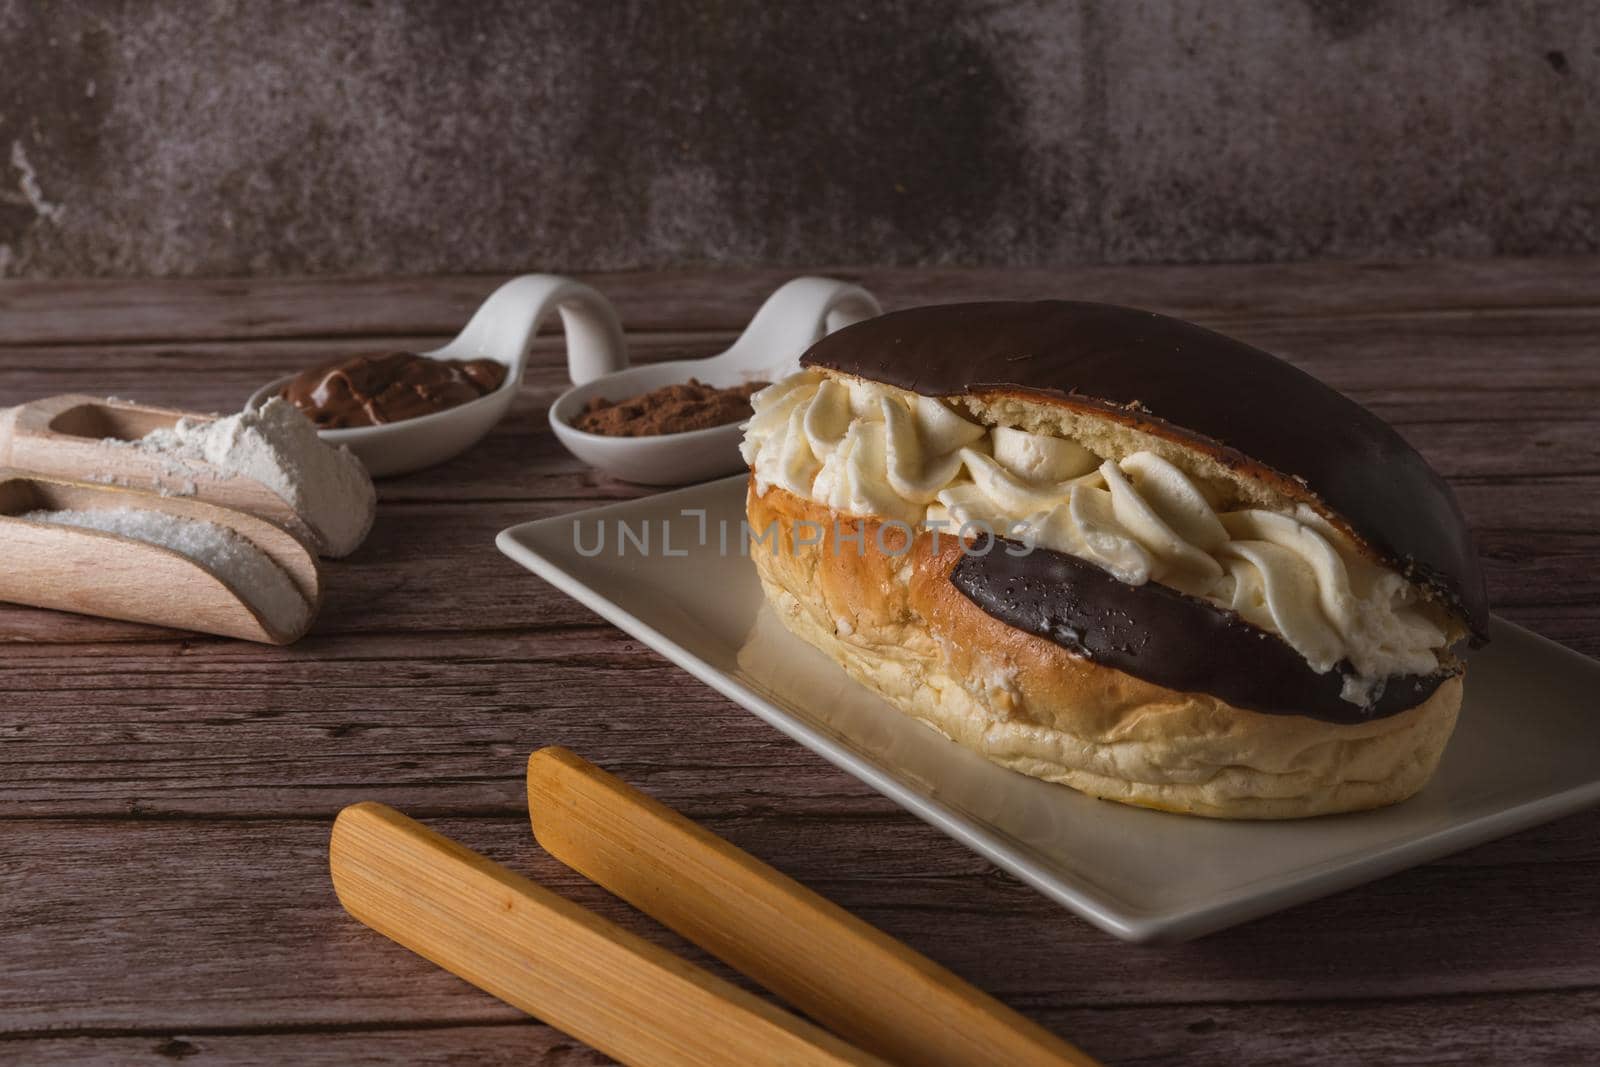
{"points": [[165, 799]]}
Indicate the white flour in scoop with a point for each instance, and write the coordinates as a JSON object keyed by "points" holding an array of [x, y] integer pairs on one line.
{"points": [[250, 572], [277, 446]]}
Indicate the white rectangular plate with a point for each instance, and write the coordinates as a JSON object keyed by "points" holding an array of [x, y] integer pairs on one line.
{"points": [[1527, 749]]}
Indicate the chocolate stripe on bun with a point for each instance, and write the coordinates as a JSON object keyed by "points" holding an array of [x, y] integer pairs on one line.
{"points": [[1165, 637], [1248, 410]]}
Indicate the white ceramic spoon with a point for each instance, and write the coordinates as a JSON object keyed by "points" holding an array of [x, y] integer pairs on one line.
{"points": [[794, 317], [502, 329]]}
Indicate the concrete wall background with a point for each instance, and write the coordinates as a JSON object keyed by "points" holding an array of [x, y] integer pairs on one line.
{"points": [[180, 137]]}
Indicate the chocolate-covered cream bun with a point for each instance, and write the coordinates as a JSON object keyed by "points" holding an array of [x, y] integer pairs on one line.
{"points": [[1173, 544]]}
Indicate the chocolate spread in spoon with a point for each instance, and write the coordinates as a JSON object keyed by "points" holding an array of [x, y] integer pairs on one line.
{"points": [[381, 387]]}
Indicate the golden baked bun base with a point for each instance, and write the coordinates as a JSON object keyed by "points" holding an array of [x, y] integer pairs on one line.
{"points": [[897, 626]]}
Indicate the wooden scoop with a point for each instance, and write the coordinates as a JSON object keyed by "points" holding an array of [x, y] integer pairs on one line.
{"points": [[865, 985], [65, 436], [555, 959], [92, 572]]}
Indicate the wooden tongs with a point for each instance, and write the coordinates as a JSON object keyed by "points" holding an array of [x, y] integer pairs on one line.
{"points": [[637, 1002]]}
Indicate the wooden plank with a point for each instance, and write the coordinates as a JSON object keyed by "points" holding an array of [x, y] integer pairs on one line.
{"points": [[1415, 372], [1555, 1029], [1541, 540], [442, 721], [220, 375], [179, 924], [1505, 353], [439, 721], [109, 310], [511, 1044]]}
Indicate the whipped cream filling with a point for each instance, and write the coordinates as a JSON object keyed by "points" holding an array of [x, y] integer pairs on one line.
{"points": [[874, 451]]}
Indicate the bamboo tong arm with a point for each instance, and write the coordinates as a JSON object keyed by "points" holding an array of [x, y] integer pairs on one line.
{"points": [[846, 974], [555, 959]]}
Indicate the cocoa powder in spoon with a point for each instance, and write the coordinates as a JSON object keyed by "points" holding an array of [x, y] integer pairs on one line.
{"points": [[670, 409]]}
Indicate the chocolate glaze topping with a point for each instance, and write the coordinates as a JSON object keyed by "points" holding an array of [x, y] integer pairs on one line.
{"points": [[382, 387], [1162, 636], [1179, 380]]}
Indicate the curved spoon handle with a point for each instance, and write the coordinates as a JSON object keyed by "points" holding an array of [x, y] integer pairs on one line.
{"points": [[796, 316], [511, 317]]}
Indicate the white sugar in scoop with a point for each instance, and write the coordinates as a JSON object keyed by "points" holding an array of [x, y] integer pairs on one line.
{"points": [[263, 585]]}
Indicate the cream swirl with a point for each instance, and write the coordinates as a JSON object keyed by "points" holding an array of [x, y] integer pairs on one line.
{"points": [[857, 447], [875, 451]]}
